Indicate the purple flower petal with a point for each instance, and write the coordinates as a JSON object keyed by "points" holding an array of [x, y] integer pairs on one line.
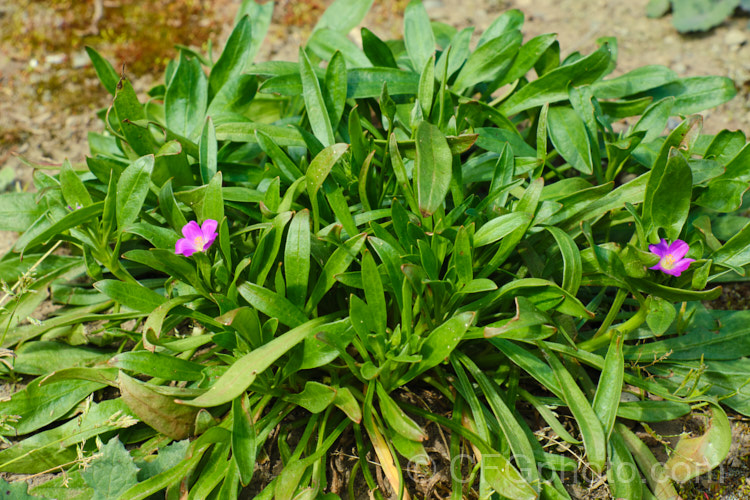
{"points": [[208, 228], [660, 249], [678, 249], [682, 265], [184, 246], [192, 230]]}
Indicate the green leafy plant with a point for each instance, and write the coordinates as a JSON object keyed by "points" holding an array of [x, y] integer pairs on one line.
{"points": [[361, 228], [696, 15]]}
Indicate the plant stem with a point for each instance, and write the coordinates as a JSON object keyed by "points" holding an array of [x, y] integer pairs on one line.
{"points": [[616, 305], [596, 343]]}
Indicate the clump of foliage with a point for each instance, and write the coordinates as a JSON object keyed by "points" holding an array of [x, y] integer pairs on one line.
{"points": [[696, 15], [363, 225]]}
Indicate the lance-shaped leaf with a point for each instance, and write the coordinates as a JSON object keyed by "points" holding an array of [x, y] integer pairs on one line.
{"points": [[186, 97], [157, 410], [242, 373], [132, 188], [667, 199], [433, 168], [321, 166], [418, 35], [314, 102]]}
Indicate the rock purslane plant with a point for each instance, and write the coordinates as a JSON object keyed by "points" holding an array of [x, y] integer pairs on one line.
{"points": [[269, 259]]}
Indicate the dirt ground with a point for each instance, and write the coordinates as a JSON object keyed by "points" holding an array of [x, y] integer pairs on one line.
{"points": [[49, 94]]}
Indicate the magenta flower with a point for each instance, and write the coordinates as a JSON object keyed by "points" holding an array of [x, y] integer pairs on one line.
{"points": [[196, 238], [672, 257]]}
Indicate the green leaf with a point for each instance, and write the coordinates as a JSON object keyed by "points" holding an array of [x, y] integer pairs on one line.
{"points": [[527, 57], [169, 263], [517, 440], [723, 195], [166, 458], [509, 20], [553, 86], [499, 227], [426, 91], [245, 132], [213, 201], [314, 102], [130, 117], [697, 93], [651, 468], [652, 411], [132, 189], [368, 82], [374, 294], [622, 476], [607, 398], [433, 168], [717, 337], [463, 259], [272, 304], [325, 42], [569, 136], [736, 251], [376, 50], [111, 473], [334, 91], [235, 97], [321, 166], [572, 270], [242, 373], [244, 448], [104, 70], [159, 237], [667, 199], [38, 405], [315, 397], [489, 61], [207, 150], [181, 470], [72, 187], [157, 365], [395, 418], [634, 82], [46, 231], [236, 54], [158, 411], [337, 263], [418, 35], [344, 15], [594, 438], [18, 211], [186, 98], [259, 15], [41, 357], [654, 119], [136, 297], [297, 258], [661, 314], [169, 208]]}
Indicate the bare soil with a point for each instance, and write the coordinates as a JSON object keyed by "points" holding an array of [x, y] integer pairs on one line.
{"points": [[49, 96]]}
